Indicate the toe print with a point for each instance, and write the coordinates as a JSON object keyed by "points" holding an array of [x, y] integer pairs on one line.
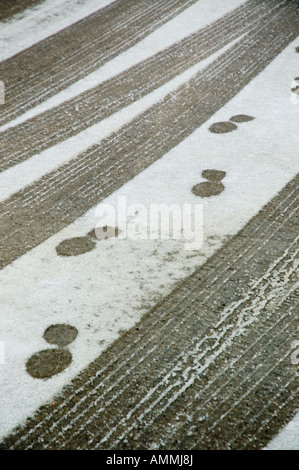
{"points": [[297, 49], [213, 175], [75, 246], [213, 186], [60, 334], [222, 127], [48, 362], [229, 126], [80, 245], [241, 118]]}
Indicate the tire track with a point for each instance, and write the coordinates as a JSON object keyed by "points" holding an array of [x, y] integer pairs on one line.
{"points": [[157, 400], [59, 123], [40, 210], [56, 62], [259, 323], [243, 254], [8, 9]]}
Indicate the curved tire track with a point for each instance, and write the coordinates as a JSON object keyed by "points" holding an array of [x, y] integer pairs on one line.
{"points": [[40, 210], [58, 61], [208, 368], [59, 123]]}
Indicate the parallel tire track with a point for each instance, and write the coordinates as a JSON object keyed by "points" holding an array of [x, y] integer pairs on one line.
{"points": [[86, 394], [59, 123], [8, 9], [53, 64], [217, 376], [40, 210]]}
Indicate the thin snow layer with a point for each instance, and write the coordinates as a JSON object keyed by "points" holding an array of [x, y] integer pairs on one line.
{"points": [[41, 21], [30, 170], [108, 289], [189, 21], [288, 438]]}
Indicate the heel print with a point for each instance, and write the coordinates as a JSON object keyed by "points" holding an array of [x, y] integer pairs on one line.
{"points": [[213, 186], [80, 245], [228, 126], [48, 362]]}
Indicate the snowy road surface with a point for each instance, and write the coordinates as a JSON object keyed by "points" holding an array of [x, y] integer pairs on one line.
{"points": [[134, 341]]}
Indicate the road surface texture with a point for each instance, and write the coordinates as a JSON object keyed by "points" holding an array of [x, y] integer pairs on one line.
{"points": [[140, 343]]}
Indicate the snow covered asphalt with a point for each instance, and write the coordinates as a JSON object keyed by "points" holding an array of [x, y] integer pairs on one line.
{"points": [[115, 335]]}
